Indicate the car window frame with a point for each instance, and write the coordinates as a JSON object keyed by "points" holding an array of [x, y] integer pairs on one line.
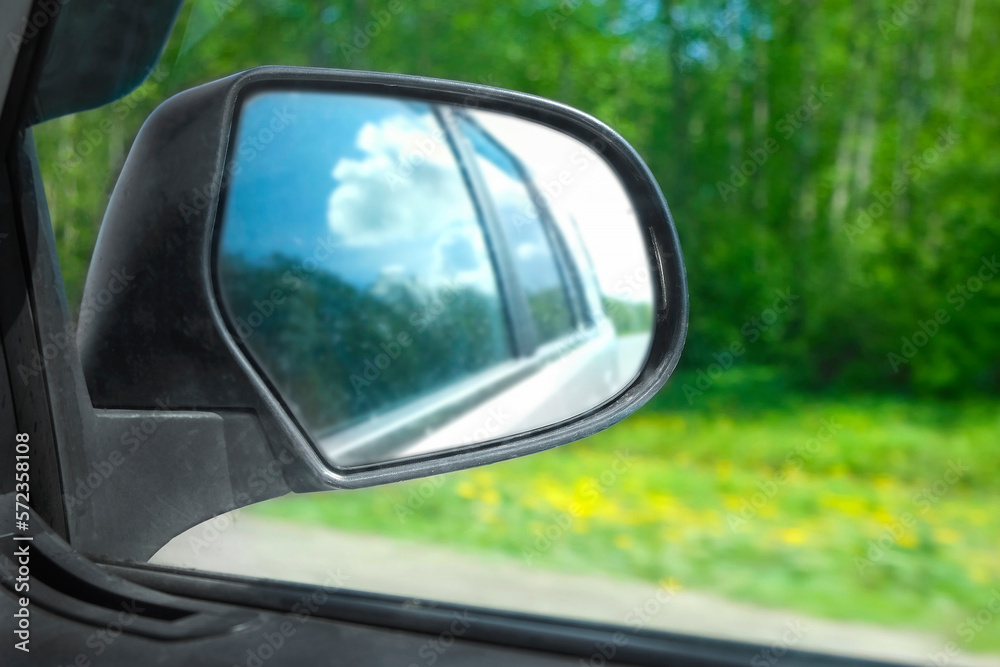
{"points": [[570, 288], [525, 337]]}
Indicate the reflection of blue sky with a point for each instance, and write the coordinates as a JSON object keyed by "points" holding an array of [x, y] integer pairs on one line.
{"points": [[369, 177], [532, 253]]}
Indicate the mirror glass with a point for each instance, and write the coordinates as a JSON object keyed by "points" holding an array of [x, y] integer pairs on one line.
{"points": [[415, 277]]}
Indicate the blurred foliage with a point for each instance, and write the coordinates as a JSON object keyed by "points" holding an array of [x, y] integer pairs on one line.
{"points": [[628, 316], [798, 143]]}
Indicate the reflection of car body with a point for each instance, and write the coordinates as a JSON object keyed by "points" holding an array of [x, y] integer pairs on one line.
{"points": [[558, 334]]}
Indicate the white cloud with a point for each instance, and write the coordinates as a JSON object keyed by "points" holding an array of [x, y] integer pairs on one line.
{"points": [[407, 185]]}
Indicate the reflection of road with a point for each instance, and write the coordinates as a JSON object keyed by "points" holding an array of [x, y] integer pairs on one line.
{"points": [[252, 546], [632, 352]]}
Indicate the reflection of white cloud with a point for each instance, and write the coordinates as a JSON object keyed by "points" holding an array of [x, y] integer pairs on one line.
{"points": [[407, 185], [459, 258], [529, 251], [394, 268]]}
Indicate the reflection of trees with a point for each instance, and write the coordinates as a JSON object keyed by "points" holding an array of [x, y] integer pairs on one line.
{"points": [[629, 316], [339, 354], [550, 313]]}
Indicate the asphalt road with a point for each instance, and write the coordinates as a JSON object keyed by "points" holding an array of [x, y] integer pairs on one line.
{"points": [[251, 546]]}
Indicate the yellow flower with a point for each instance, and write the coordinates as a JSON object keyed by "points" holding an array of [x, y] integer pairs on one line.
{"points": [[623, 541], [882, 482], [884, 517], [483, 477], [663, 502], [768, 511], [466, 489], [794, 536], [671, 585], [732, 502], [673, 533], [980, 574], [554, 494], [490, 497], [979, 516], [587, 505], [947, 535], [845, 504]]}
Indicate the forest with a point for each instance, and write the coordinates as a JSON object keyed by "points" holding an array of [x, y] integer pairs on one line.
{"points": [[834, 149]]}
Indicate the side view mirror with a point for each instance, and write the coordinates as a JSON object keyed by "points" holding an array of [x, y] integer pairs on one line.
{"points": [[389, 276]]}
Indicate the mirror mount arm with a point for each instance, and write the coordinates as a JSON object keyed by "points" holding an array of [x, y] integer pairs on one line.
{"points": [[155, 474]]}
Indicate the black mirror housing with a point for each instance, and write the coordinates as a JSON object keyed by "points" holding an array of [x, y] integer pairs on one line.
{"points": [[153, 335]]}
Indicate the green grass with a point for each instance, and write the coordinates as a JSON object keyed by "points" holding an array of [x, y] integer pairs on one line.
{"points": [[674, 510]]}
